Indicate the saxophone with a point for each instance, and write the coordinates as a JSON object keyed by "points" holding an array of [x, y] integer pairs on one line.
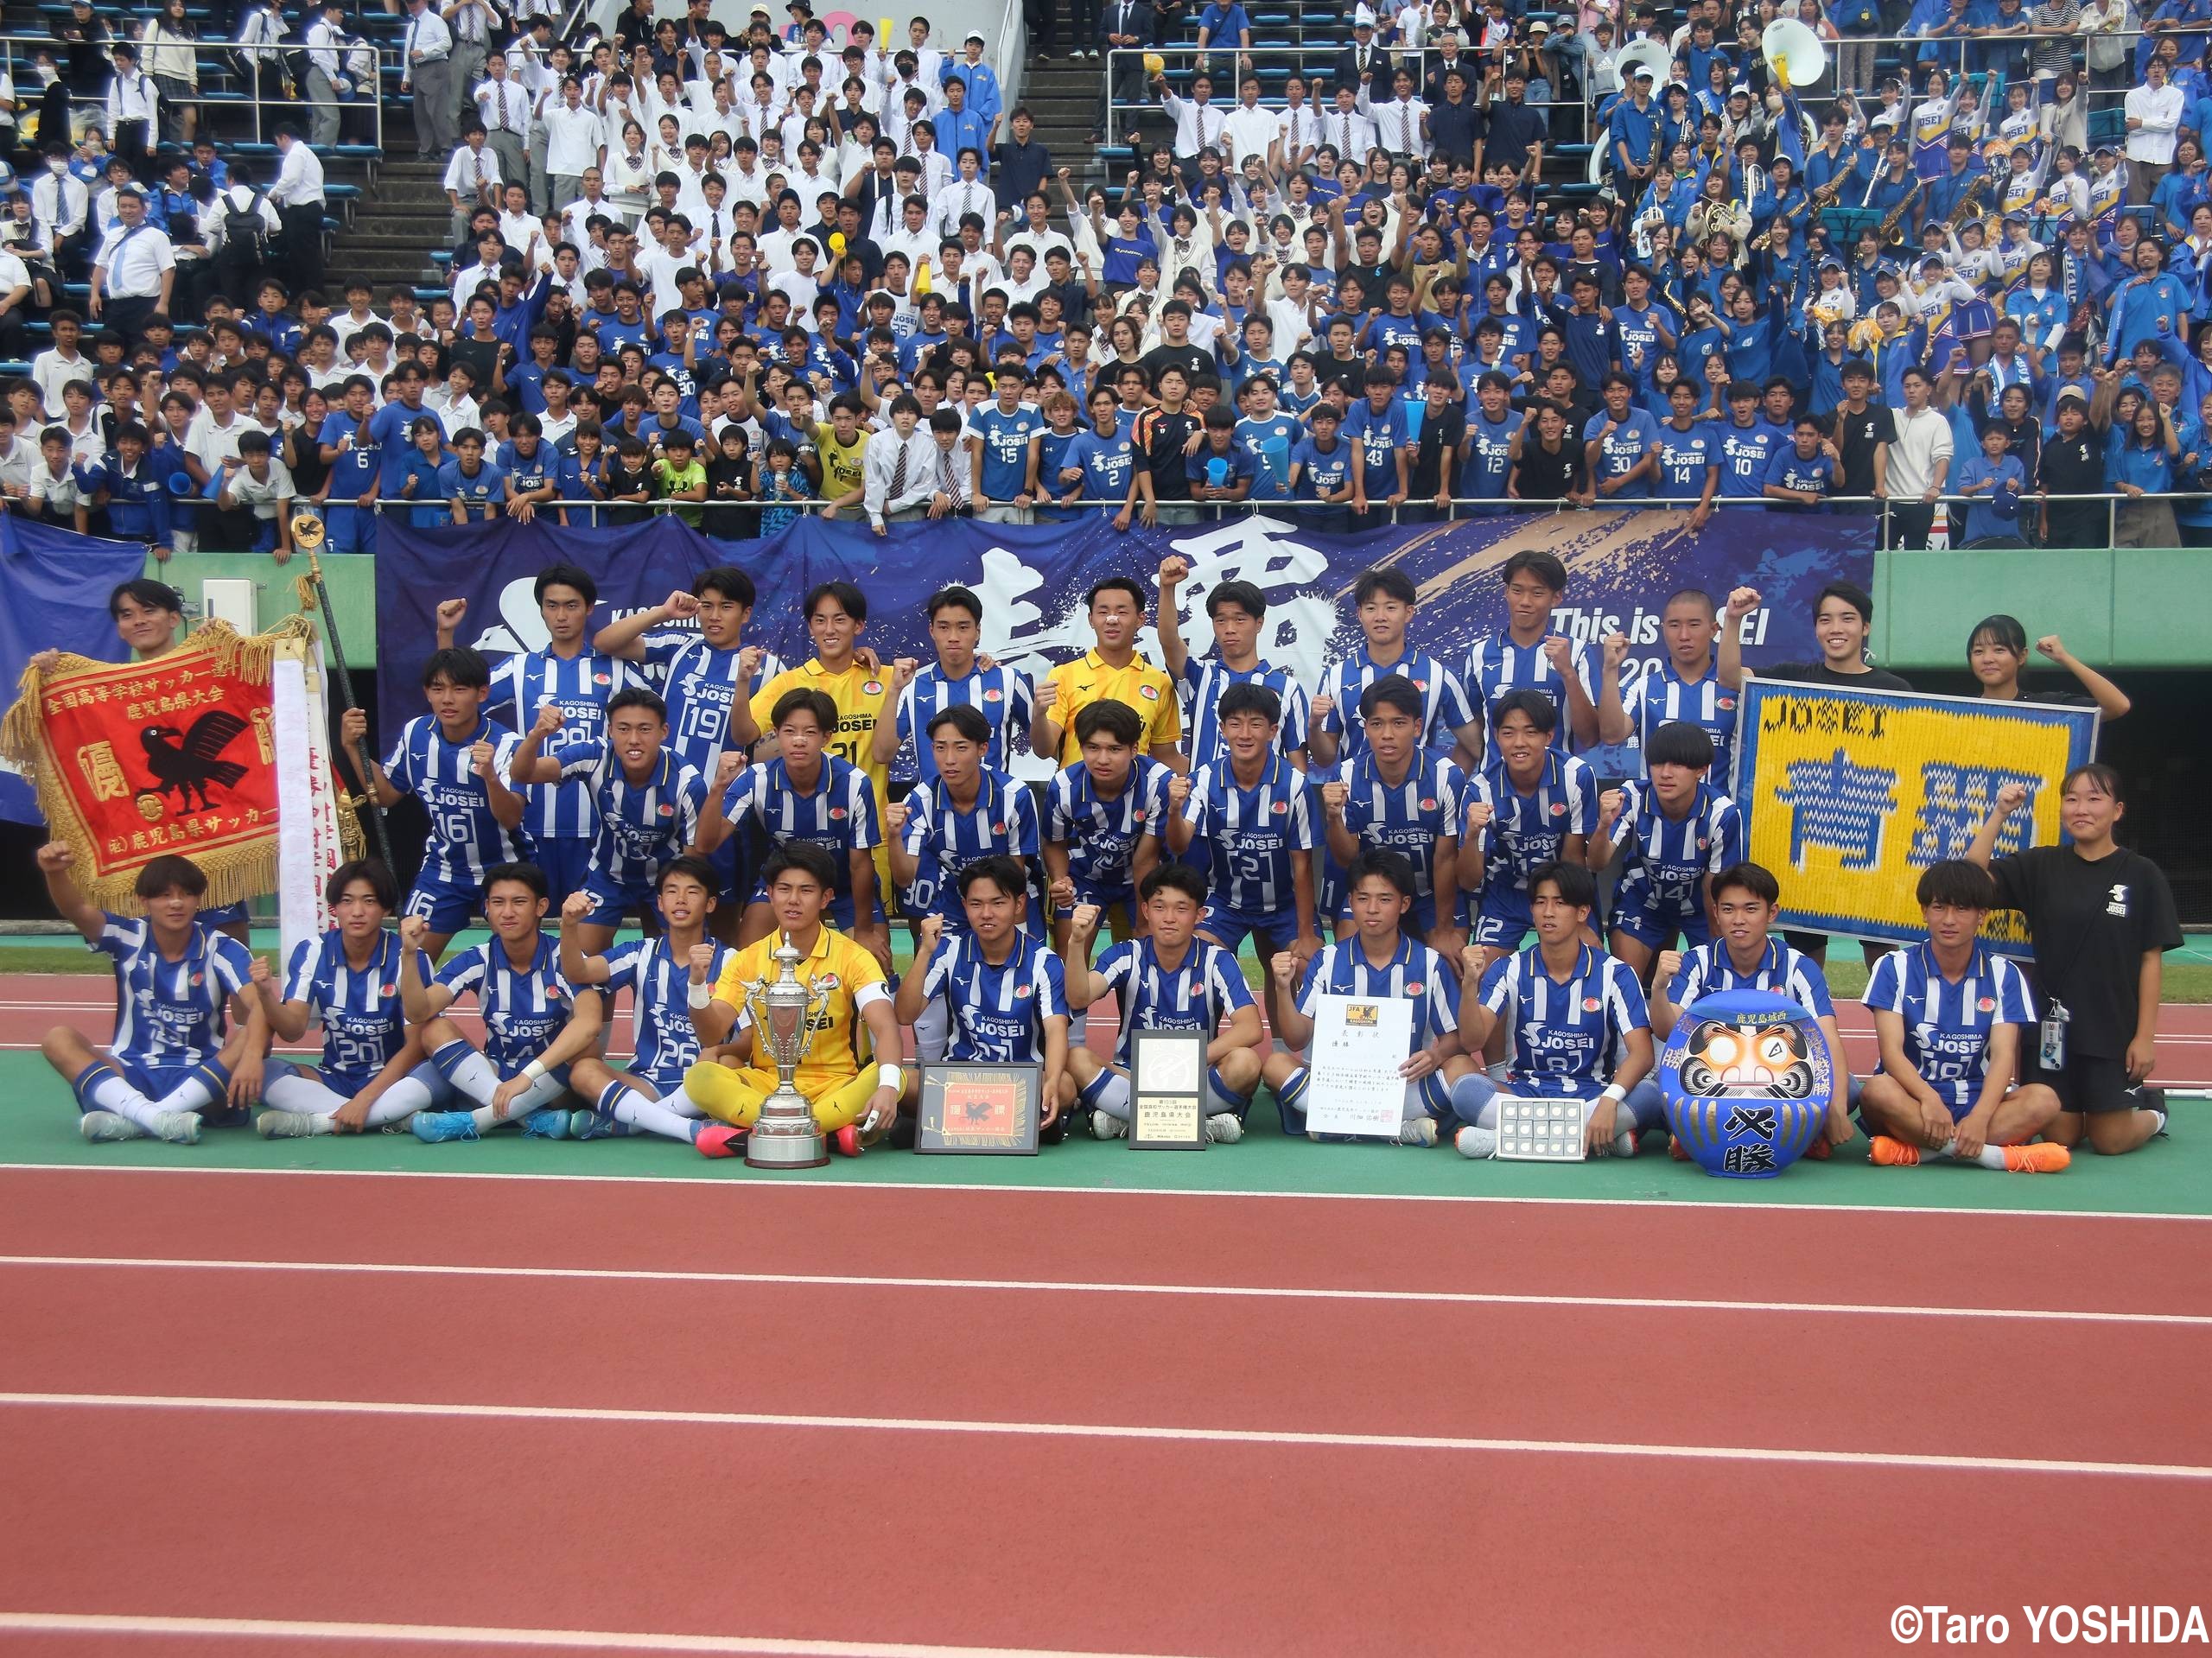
{"points": [[1891, 233], [1968, 203]]}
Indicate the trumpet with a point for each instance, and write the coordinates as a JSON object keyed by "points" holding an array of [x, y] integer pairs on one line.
{"points": [[1891, 232]]}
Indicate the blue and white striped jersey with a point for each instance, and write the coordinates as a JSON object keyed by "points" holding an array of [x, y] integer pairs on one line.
{"points": [[363, 1025], [660, 1013], [838, 814], [1947, 1025], [1342, 968], [1003, 821], [1205, 988], [1497, 666], [1527, 830], [641, 825], [170, 1014], [1200, 686], [1708, 970], [697, 682], [1410, 818], [998, 1012], [1444, 699], [1251, 834], [523, 1008], [1102, 835], [1566, 1037], [1662, 860], [465, 839], [579, 686], [1665, 697], [1003, 695]]}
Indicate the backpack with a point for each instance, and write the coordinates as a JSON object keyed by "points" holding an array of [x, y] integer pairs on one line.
{"points": [[243, 228]]}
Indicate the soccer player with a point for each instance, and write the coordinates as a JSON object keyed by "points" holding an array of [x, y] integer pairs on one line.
{"points": [[570, 675], [1948, 1019], [853, 1104], [806, 794], [1236, 610], [998, 994], [959, 675], [1573, 1018], [1746, 955], [373, 1071], [170, 1060], [1375, 957], [1112, 670], [1543, 807], [1103, 820], [1529, 655], [1673, 831], [1400, 797], [666, 977], [647, 802], [1386, 601], [445, 758], [1167, 980], [1687, 685], [1252, 810], [535, 1021], [970, 812], [836, 615]]}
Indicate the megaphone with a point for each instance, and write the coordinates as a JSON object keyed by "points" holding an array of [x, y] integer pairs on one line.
{"points": [[1793, 52], [180, 483]]}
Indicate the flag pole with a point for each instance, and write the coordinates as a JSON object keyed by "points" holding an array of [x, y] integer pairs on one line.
{"points": [[344, 678]]}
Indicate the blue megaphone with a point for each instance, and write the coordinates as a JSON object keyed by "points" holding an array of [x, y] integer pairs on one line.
{"points": [[180, 483], [1217, 473]]}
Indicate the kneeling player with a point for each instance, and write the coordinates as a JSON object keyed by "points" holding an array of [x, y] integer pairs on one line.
{"points": [[1574, 1024], [666, 976], [1948, 1016], [1380, 959], [1003, 993], [535, 1021], [1672, 830], [1169, 980], [373, 1070], [169, 1060], [852, 1104], [1103, 817]]}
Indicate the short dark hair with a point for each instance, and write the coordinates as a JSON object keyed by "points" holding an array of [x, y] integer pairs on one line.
{"points": [[850, 598], [1747, 877], [1110, 719], [1183, 878], [1244, 595], [168, 873], [1680, 743], [693, 866], [1390, 865], [371, 870], [1398, 692], [729, 581], [1852, 593], [966, 720], [458, 665], [1386, 582], [1576, 885], [1002, 871], [1539, 709], [1957, 884], [1250, 698], [637, 697], [524, 874], [1534, 561], [818, 703], [803, 856], [955, 597], [1114, 584], [144, 590]]}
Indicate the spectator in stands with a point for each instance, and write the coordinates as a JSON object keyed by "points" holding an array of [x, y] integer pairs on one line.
{"points": [[429, 72]]}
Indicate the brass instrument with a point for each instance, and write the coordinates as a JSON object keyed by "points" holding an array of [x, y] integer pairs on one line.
{"points": [[1966, 207], [1891, 232]]}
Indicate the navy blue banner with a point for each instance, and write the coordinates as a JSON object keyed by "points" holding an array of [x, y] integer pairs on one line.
{"points": [[53, 589], [1621, 567]]}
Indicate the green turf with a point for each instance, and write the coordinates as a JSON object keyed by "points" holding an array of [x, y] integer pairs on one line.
{"points": [[2168, 1177]]}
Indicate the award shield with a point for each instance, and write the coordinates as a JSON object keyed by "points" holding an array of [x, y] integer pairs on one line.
{"points": [[784, 1011]]}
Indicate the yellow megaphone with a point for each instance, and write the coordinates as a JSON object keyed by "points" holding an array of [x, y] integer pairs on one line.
{"points": [[1793, 52], [1154, 64], [922, 279]]}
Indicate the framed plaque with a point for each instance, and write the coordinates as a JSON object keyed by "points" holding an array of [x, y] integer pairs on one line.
{"points": [[1538, 1130], [1167, 1090], [989, 1110]]}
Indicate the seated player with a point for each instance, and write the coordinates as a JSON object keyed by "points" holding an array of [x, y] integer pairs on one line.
{"points": [[170, 1060], [1543, 805], [968, 812], [1251, 811], [855, 1105], [535, 1021], [647, 802], [805, 794], [1002, 993], [1398, 797], [1169, 979], [666, 976], [1746, 955], [1573, 1019], [445, 758], [373, 1071], [1103, 817], [1379, 958], [1672, 830], [1947, 1017]]}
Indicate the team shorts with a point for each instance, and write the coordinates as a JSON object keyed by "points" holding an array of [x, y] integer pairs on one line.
{"points": [[566, 862], [1504, 918], [1653, 921], [348, 529], [1270, 934], [446, 906], [841, 913], [157, 1081], [1419, 922], [2093, 1085]]}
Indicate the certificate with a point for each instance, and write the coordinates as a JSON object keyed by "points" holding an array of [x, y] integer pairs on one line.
{"points": [[1352, 1081], [1167, 1084]]}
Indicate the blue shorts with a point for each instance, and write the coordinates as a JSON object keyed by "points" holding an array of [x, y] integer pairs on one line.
{"points": [[157, 1081], [566, 860], [1504, 918], [446, 906], [348, 529], [1653, 921], [1270, 934], [225, 915], [610, 899], [841, 914], [1419, 922]]}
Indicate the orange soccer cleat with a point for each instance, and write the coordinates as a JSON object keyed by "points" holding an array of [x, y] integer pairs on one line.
{"points": [[1819, 1150], [846, 1142], [718, 1139], [1893, 1154], [1675, 1149], [2038, 1159]]}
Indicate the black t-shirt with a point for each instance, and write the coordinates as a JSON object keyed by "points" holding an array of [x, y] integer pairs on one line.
{"points": [[1545, 476], [1162, 434], [2093, 923], [2073, 465], [1856, 436], [1819, 673], [1374, 280], [1438, 452], [1193, 361], [1350, 373]]}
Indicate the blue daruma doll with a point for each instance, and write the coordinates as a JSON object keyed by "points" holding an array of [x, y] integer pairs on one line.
{"points": [[1747, 1076]]}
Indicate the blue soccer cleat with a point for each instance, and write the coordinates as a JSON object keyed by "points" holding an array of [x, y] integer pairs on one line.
{"points": [[546, 1125], [583, 1125], [431, 1127]]}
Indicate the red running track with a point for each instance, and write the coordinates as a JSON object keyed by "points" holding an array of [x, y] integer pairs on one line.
{"points": [[525, 1518]]}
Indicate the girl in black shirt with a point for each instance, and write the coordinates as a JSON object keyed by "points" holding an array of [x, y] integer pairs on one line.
{"points": [[1998, 648]]}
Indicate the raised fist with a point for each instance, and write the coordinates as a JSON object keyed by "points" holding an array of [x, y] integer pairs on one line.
{"points": [[1742, 601], [1471, 961], [681, 604], [414, 931], [1560, 654], [1670, 963], [1048, 693], [1616, 649], [1178, 791], [895, 818], [927, 934], [749, 658], [1172, 568], [2011, 798], [577, 905], [549, 719], [54, 857], [450, 611], [1333, 796], [1084, 923], [258, 972], [902, 673], [702, 961], [1321, 707], [479, 759]]}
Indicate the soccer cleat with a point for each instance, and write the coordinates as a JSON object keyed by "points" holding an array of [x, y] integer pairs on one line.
{"points": [[589, 1125], [1820, 1149], [1475, 1143], [1624, 1143], [1225, 1128], [432, 1126], [718, 1139], [1104, 1127], [1890, 1154], [283, 1125], [2038, 1159], [1417, 1131], [97, 1126], [178, 1127], [846, 1142], [546, 1125], [1675, 1149]]}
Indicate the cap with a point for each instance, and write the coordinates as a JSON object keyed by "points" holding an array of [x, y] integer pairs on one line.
{"points": [[2074, 392], [1831, 263], [2102, 149], [2016, 217], [1363, 20], [976, 36], [1536, 26], [1642, 72]]}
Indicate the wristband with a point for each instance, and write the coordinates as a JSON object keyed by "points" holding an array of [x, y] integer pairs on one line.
{"points": [[890, 1076], [534, 1071], [1614, 1092], [700, 995]]}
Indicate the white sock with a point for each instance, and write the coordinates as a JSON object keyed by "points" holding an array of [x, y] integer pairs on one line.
{"points": [[191, 1095], [1991, 1157], [475, 1078], [112, 1094], [1111, 1094], [419, 1090], [546, 1089], [307, 1096], [658, 1116], [1497, 1071]]}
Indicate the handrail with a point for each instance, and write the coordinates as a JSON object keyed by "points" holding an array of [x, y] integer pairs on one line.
{"points": [[248, 96]]}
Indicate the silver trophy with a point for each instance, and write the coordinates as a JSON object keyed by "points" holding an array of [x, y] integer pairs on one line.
{"points": [[784, 1011]]}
